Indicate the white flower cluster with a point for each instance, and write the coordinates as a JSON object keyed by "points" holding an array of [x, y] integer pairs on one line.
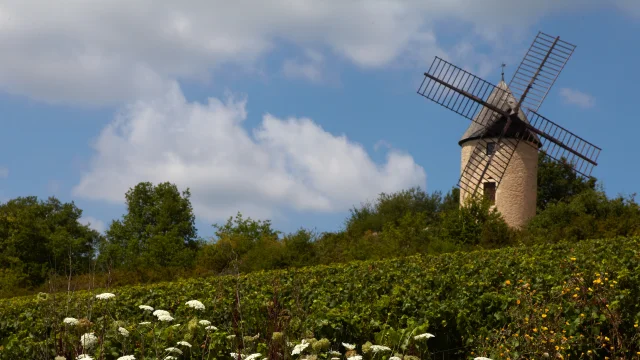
{"points": [[59, 358], [88, 340], [105, 296], [127, 357], [84, 357], [163, 315], [348, 346], [145, 323], [184, 343], [173, 350], [195, 304], [211, 328], [481, 358], [204, 322], [124, 332], [394, 358], [70, 321], [423, 336], [300, 347], [378, 348], [145, 307], [355, 357]]}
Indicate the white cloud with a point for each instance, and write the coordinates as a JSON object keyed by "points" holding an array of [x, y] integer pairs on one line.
{"points": [[578, 98], [282, 164], [93, 223], [107, 51], [4, 172]]}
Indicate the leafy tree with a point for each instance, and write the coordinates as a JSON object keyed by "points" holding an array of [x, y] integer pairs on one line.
{"points": [[39, 237], [158, 229], [558, 182], [249, 244]]}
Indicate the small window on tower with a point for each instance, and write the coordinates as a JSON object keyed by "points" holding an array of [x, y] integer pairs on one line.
{"points": [[491, 148], [490, 191]]}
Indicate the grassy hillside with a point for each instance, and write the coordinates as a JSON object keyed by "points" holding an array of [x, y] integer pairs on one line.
{"points": [[566, 299]]}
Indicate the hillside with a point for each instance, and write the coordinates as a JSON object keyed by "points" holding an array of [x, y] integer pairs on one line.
{"points": [[565, 299]]}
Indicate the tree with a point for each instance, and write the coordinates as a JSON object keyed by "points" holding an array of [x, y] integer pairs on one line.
{"points": [[158, 229], [558, 182], [40, 237]]}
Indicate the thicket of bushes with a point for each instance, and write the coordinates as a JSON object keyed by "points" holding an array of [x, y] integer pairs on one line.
{"points": [[44, 248], [568, 300]]}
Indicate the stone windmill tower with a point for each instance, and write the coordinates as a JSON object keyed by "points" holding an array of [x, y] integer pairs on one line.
{"points": [[499, 155], [516, 196]]}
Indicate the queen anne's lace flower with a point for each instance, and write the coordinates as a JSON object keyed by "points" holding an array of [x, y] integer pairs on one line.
{"points": [[105, 296], [235, 356], [160, 312], [145, 307], [355, 357], [173, 350], [481, 358], [165, 318], [378, 348], [195, 304], [127, 357], [84, 357], [88, 340], [211, 328], [253, 356], [145, 323], [70, 321], [124, 332], [184, 343], [300, 347], [423, 336], [348, 346], [204, 322], [394, 358], [59, 358]]}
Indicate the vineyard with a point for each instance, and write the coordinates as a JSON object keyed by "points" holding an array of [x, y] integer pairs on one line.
{"points": [[567, 300]]}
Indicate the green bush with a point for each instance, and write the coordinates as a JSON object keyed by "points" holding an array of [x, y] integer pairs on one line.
{"points": [[476, 301]]}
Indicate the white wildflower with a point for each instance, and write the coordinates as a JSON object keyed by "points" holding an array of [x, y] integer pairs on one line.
{"points": [[394, 358], [84, 357], [127, 357], [157, 313], [377, 348], [481, 358], [70, 321], [300, 347], [423, 336], [355, 357], [211, 328], [253, 356], [105, 296], [231, 337], [169, 357], [59, 358], [88, 340], [195, 304], [173, 350], [184, 343], [235, 356], [124, 332], [335, 353], [145, 307], [176, 325], [165, 318], [204, 322], [335, 358], [348, 346], [145, 323]]}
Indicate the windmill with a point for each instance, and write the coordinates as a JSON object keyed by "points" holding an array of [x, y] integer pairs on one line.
{"points": [[504, 119]]}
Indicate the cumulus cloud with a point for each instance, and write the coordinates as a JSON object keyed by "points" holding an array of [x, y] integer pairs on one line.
{"points": [[289, 163], [578, 98], [107, 51], [309, 68], [93, 223], [4, 172]]}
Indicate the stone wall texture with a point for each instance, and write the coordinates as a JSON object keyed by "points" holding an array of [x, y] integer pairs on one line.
{"points": [[516, 194]]}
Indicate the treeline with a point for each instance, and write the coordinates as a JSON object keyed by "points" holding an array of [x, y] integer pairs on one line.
{"points": [[44, 247]]}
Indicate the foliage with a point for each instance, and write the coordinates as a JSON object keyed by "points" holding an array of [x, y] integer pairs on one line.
{"points": [[40, 237], [558, 182], [463, 298], [157, 231]]}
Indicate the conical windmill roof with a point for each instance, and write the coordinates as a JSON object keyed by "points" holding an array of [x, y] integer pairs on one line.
{"points": [[500, 97]]}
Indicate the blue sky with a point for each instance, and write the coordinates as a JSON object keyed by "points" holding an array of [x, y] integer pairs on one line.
{"points": [[314, 107]]}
